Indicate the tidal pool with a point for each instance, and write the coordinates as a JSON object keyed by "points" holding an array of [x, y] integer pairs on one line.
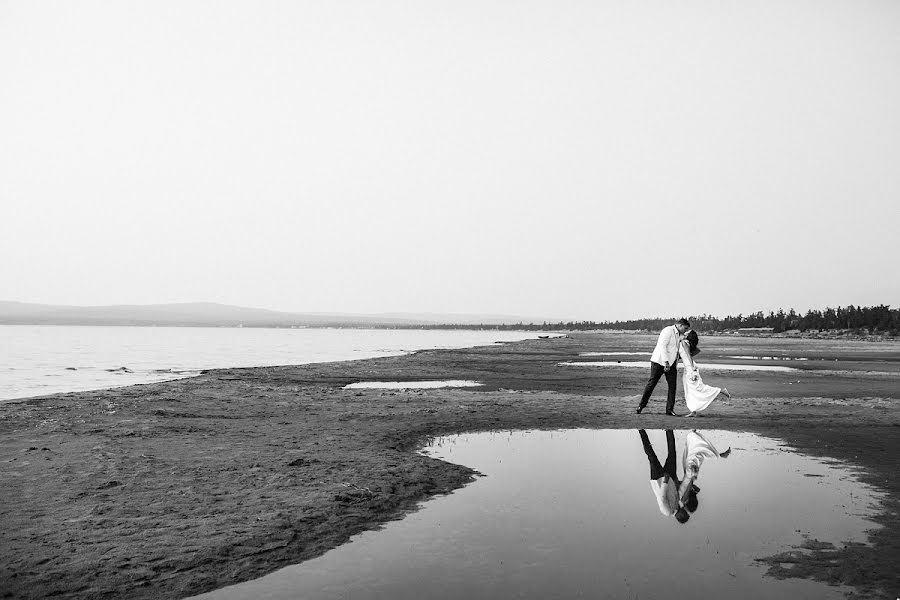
{"points": [[411, 385], [572, 513], [769, 357], [614, 354], [645, 364]]}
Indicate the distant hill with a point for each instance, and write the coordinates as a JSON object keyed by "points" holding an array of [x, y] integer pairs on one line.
{"points": [[461, 318], [210, 314]]}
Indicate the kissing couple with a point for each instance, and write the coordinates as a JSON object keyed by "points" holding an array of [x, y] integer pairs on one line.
{"points": [[679, 341], [678, 498]]}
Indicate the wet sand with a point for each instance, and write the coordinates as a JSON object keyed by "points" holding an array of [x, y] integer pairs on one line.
{"points": [[170, 489]]}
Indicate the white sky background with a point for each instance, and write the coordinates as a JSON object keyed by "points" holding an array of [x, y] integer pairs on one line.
{"points": [[561, 159]]}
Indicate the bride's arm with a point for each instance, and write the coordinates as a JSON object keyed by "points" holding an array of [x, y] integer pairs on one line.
{"points": [[686, 355], [685, 489], [689, 361]]}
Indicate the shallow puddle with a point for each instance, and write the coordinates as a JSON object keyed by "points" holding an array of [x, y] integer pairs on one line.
{"points": [[613, 354], [645, 364], [769, 357], [411, 385], [563, 514]]}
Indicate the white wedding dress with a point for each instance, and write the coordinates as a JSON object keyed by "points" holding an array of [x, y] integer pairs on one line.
{"points": [[696, 449], [697, 395]]}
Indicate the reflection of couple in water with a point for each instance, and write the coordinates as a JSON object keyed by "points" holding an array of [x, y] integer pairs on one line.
{"points": [[679, 341], [678, 498]]}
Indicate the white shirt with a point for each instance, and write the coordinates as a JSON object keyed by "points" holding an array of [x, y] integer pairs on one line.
{"points": [[667, 346], [666, 494]]}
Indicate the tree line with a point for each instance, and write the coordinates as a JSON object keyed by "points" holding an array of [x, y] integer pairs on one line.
{"points": [[881, 319]]}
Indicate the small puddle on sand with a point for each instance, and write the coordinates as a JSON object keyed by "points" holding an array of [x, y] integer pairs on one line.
{"points": [[573, 513], [645, 364], [411, 385], [613, 354], [769, 357]]}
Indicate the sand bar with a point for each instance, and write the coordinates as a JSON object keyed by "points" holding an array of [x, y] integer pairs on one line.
{"points": [[171, 489]]}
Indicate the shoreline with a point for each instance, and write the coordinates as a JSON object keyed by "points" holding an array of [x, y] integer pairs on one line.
{"points": [[170, 489], [137, 368]]}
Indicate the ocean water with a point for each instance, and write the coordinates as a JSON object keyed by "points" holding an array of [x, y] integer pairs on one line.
{"points": [[40, 360]]}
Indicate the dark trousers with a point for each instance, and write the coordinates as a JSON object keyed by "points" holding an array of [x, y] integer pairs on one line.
{"points": [[656, 372], [657, 470]]}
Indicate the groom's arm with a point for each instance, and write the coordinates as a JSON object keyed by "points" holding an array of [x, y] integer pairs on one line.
{"points": [[665, 340]]}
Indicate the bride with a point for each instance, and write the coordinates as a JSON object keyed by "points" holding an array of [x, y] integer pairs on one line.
{"points": [[697, 395]]}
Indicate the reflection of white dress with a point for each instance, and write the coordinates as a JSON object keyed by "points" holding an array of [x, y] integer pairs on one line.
{"points": [[697, 395], [696, 449]]}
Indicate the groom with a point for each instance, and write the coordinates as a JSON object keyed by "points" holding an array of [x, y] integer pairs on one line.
{"points": [[664, 478], [663, 363]]}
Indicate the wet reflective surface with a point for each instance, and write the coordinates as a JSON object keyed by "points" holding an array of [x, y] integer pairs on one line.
{"points": [[575, 513], [411, 385], [770, 357], [614, 354], [645, 364]]}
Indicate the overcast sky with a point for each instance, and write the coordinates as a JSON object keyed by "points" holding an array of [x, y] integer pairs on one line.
{"points": [[562, 159]]}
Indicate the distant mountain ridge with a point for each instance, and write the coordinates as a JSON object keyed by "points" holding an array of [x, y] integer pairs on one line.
{"points": [[211, 314]]}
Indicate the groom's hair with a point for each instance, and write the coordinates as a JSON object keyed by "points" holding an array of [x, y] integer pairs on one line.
{"points": [[683, 321], [682, 516]]}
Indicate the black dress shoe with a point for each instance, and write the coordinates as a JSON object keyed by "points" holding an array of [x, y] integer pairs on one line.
{"points": [[672, 414], [639, 409]]}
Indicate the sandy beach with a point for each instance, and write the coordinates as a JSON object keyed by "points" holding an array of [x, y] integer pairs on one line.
{"points": [[171, 489]]}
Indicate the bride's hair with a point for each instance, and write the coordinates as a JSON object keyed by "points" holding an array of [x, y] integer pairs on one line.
{"points": [[693, 339], [692, 502]]}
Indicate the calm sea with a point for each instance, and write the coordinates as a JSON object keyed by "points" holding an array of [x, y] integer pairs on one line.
{"points": [[39, 360]]}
